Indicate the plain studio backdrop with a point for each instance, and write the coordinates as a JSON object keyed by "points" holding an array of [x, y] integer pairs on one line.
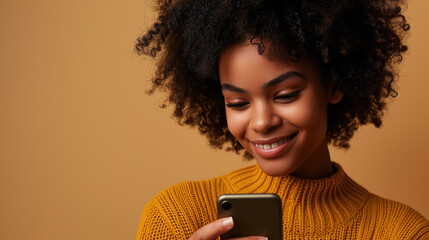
{"points": [[83, 149]]}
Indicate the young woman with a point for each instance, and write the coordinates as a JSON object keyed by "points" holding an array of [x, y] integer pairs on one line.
{"points": [[279, 81]]}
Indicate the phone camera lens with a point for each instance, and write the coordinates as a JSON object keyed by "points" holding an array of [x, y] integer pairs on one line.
{"points": [[226, 205]]}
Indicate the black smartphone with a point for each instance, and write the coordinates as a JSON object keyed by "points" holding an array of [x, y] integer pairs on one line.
{"points": [[253, 215]]}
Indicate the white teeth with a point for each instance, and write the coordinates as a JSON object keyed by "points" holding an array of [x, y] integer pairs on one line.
{"points": [[271, 146]]}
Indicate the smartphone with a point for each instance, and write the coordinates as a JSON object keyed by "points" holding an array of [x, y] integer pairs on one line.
{"points": [[253, 215]]}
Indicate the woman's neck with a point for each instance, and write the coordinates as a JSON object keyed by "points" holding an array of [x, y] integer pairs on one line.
{"points": [[318, 165]]}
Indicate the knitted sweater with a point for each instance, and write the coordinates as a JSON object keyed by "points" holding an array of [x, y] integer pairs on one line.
{"points": [[329, 208]]}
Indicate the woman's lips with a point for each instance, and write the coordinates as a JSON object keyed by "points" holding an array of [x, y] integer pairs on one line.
{"points": [[273, 149]]}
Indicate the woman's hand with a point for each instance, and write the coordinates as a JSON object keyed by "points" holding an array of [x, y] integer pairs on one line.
{"points": [[214, 229]]}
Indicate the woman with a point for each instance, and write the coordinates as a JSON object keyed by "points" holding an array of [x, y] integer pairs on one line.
{"points": [[279, 80]]}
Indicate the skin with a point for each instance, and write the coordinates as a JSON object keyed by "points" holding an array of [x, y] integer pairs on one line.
{"points": [[213, 230], [268, 100]]}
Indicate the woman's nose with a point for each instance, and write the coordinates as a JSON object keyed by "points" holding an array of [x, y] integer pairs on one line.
{"points": [[264, 118]]}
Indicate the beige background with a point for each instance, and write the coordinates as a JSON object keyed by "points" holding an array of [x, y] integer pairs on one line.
{"points": [[82, 148]]}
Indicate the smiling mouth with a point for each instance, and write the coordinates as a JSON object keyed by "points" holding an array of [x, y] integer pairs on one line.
{"points": [[276, 144]]}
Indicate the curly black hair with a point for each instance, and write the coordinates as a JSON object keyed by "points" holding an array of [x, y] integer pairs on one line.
{"points": [[358, 42]]}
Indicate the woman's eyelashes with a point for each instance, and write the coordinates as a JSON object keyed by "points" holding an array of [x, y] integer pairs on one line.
{"points": [[287, 97], [283, 98], [239, 105]]}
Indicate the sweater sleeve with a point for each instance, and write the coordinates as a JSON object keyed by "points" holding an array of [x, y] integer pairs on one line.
{"points": [[411, 225], [154, 223], [176, 212]]}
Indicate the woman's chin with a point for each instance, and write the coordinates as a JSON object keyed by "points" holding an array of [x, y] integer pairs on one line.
{"points": [[275, 167]]}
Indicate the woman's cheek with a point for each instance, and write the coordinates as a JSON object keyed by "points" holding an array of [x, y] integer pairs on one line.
{"points": [[307, 113], [297, 115], [237, 123]]}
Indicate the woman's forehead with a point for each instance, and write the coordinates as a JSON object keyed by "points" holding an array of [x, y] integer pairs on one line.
{"points": [[243, 61]]}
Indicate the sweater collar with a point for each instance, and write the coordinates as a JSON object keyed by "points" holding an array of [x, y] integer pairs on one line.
{"points": [[310, 207]]}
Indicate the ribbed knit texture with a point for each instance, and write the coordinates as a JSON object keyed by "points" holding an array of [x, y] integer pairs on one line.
{"points": [[330, 208]]}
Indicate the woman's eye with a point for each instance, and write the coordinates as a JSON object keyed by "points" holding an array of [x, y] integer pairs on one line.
{"points": [[237, 105], [287, 96]]}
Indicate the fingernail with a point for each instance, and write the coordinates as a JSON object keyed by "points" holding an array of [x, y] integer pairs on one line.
{"points": [[263, 238], [228, 223]]}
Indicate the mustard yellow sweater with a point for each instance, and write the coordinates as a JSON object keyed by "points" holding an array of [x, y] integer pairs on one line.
{"points": [[330, 208]]}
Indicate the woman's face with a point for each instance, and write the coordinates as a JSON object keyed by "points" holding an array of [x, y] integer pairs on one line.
{"points": [[277, 110]]}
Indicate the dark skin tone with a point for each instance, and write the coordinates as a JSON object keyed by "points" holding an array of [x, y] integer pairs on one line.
{"points": [[277, 110]]}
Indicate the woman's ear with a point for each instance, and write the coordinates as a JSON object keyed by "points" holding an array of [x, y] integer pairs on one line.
{"points": [[335, 96]]}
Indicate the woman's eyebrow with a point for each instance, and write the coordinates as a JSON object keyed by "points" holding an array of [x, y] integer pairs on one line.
{"points": [[281, 78], [229, 87], [272, 82]]}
